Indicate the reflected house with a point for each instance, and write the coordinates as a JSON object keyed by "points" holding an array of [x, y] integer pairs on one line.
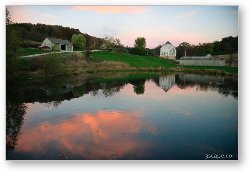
{"points": [[166, 82]]}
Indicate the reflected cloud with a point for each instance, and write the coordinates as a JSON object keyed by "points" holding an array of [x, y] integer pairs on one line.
{"points": [[104, 135]]}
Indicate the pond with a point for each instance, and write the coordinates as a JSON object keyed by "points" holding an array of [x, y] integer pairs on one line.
{"points": [[136, 117]]}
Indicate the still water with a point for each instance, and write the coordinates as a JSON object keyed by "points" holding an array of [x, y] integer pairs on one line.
{"points": [[172, 116]]}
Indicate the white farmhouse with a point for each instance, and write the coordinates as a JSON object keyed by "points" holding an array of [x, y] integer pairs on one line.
{"points": [[168, 51], [57, 44]]}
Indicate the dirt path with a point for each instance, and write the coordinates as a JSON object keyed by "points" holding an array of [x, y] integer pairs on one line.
{"points": [[42, 54]]}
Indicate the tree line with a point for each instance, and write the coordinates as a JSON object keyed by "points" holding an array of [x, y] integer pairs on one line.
{"points": [[227, 45], [31, 35]]}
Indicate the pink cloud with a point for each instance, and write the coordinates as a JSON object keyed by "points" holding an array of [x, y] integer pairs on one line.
{"points": [[111, 9], [177, 37], [20, 14], [159, 35]]}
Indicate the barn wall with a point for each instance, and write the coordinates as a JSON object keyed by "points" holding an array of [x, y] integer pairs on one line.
{"points": [[48, 43], [202, 62], [168, 51], [169, 57], [69, 48], [228, 57]]}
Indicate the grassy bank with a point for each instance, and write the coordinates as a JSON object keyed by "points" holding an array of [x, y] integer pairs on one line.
{"points": [[134, 60], [30, 51], [159, 64], [73, 64]]}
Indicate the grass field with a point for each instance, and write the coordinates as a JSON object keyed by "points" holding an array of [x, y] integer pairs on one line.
{"points": [[30, 51], [155, 62], [73, 64], [134, 60]]}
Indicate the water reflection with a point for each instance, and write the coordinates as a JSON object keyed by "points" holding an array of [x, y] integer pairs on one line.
{"points": [[104, 135], [125, 118], [59, 90], [224, 85], [167, 82], [14, 119]]}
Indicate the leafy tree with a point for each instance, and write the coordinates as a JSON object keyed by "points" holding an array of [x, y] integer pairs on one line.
{"points": [[139, 47], [140, 42], [111, 42], [12, 45], [183, 48], [157, 50], [78, 41], [227, 45]]}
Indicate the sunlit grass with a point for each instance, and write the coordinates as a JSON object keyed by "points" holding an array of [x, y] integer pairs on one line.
{"points": [[30, 51], [134, 60]]}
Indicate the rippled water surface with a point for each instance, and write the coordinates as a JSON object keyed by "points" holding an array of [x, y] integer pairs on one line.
{"points": [[174, 116]]}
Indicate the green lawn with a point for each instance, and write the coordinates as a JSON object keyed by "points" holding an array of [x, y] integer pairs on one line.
{"points": [[153, 62], [134, 60], [30, 51]]}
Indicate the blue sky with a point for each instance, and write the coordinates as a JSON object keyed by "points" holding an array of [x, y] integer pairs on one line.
{"points": [[158, 24]]}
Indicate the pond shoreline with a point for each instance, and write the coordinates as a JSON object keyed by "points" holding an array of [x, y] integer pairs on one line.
{"points": [[75, 64], [41, 75]]}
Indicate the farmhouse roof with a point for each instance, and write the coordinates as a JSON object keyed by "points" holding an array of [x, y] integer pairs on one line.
{"points": [[59, 41]]}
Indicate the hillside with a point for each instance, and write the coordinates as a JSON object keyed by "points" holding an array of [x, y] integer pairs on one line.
{"points": [[32, 35]]}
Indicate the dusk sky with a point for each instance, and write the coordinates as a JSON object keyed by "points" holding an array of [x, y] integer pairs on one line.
{"points": [[158, 24]]}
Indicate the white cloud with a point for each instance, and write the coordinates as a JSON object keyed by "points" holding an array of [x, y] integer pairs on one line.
{"points": [[186, 15], [49, 15]]}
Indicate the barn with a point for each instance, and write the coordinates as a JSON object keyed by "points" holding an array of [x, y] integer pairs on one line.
{"points": [[168, 51], [57, 44]]}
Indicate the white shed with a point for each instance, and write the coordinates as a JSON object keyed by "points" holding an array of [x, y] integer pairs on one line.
{"points": [[58, 44], [168, 51]]}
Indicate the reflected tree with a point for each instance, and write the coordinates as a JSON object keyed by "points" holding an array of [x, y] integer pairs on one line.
{"points": [[138, 86], [225, 85], [54, 104], [110, 90], [14, 119], [139, 89]]}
